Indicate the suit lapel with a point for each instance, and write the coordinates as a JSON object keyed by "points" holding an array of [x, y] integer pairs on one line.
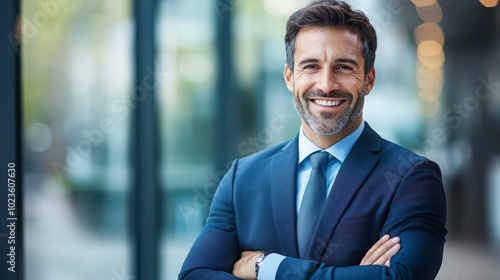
{"points": [[357, 166], [283, 196]]}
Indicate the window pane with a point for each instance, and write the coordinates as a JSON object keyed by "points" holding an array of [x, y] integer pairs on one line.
{"points": [[186, 61], [76, 69]]}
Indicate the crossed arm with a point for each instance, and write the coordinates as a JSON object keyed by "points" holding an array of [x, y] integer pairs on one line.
{"points": [[417, 219], [379, 254]]}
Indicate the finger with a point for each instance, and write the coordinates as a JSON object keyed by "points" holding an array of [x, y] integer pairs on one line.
{"points": [[387, 263], [236, 268], [379, 243], [379, 249], [375, 256], [388, 254]]}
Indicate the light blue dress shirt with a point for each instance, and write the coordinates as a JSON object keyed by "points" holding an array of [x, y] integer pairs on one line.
{"points": [[339, 151]]}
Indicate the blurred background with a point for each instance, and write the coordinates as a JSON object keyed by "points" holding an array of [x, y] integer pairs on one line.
{"points": [[219, 94]]}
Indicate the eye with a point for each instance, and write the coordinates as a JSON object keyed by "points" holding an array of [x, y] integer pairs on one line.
{"points": [[310, 67], [344, 68]]}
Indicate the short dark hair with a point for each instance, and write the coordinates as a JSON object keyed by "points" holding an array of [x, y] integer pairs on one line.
{"points": [[331, 13]]}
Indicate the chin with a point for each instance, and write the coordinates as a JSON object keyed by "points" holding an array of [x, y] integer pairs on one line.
{"points": [[327, 130]]}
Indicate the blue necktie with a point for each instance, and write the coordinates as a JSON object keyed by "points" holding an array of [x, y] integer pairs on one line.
{"points": [[312, 202]]}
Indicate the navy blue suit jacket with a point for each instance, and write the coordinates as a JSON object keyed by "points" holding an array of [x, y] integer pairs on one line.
{"points": [[380, 189]]}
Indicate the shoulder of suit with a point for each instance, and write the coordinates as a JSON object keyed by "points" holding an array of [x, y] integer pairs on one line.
{"points": [[397, 152], [386, 149]]}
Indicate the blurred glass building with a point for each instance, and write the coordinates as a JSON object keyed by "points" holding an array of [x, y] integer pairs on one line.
{"points": [[220, 95]]}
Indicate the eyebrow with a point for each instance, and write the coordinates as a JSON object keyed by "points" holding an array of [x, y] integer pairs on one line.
{"points": [[347, 60], [308, 60]]}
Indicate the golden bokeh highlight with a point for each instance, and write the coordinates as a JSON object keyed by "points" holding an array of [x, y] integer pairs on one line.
{"points": [[430, 85], [432, 62], [429, 31], [431, 108], [423, 3], [429, 39], [489, 3], [430, 82], [430, 54], [429, 96], [431, 13], [427, 73], [429, 48]]}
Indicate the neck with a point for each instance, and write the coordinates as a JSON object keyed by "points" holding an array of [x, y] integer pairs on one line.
{"points": [[326, 141]]}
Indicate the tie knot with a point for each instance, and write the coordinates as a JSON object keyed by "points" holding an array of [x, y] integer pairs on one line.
{"points": [[319, 159]]}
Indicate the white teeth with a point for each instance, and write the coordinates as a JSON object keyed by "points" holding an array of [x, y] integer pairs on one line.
{"points": [[327, 102]]}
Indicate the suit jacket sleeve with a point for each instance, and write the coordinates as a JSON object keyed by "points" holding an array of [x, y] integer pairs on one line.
{"points": [[417, 215], [217, 248]]}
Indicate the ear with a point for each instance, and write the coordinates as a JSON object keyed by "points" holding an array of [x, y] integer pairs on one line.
{"points": [[288, 75], [370, 81]]}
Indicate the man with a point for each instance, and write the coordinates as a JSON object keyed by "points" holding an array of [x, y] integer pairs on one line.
{"points": [[323, 205]]}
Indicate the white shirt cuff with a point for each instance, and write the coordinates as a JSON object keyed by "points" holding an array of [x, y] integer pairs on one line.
{"points": [[269, 267]]}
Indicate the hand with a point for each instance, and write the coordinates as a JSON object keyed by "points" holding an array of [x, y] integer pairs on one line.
{"points": [[245, 266], [382, 251]]}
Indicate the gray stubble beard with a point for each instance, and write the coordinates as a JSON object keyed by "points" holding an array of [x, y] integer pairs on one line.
{"points": [[329, 124]]}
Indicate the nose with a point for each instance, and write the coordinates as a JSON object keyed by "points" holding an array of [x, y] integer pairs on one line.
{"points": [[327, 81]]}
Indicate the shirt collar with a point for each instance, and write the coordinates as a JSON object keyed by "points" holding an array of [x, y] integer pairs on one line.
{"points": [[339, 150]]}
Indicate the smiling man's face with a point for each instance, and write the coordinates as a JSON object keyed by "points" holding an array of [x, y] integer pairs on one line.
{"points": [[328, 81]]}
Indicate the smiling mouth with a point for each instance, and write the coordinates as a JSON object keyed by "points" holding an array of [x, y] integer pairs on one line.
{"points": [[328, 103]]}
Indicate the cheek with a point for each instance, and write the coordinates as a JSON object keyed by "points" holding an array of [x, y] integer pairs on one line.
{"points": [[354, 84], [302, 88], [305, 81], [355, 88]]}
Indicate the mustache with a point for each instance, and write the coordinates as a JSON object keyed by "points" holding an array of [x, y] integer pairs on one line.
{"points": [[332, 94]]}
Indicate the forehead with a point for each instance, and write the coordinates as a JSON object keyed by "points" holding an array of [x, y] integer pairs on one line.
{"points": [[328, 41]]}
